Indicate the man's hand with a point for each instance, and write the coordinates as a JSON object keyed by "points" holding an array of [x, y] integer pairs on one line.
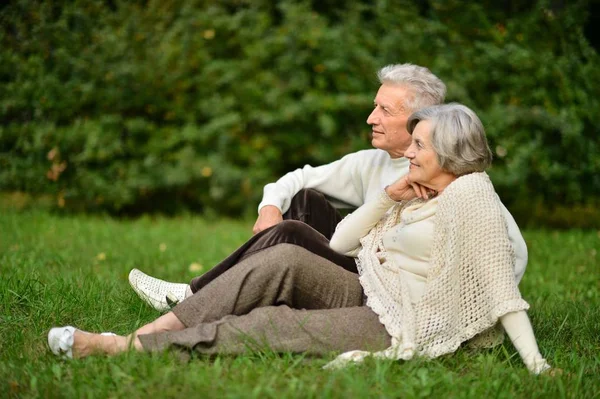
{"points": [[404, 190], [267, 216]]}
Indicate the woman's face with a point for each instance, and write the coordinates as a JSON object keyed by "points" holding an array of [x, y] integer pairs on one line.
{"points": [[424, 166]]}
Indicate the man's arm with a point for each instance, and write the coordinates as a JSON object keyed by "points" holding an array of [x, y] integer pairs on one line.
{"points": [[268, 215], [339, 180], [518, 244]]}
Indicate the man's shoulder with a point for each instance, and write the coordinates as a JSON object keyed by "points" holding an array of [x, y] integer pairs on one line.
{"points": [[370, 155]]}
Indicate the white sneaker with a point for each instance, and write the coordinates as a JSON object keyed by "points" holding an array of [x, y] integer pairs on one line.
{"points": [[159, 294], [61, 339]]}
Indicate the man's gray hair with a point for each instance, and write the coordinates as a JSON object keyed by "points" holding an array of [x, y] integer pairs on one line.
{"points": [[457, 136], [427, 88]]}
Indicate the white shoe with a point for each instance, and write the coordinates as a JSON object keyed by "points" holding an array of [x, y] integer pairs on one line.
{"points": [[159, 294], [61, 339]]}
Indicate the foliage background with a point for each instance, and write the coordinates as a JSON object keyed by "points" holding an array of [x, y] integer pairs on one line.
{"points": [[132, 106]]}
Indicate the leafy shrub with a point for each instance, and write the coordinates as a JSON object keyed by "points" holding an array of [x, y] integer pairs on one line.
{"points": [[145, 105]]}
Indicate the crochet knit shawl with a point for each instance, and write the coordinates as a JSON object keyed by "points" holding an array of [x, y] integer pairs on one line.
{"points": [[470, 283]]}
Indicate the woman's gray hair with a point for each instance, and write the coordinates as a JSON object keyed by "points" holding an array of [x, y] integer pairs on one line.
{"points": [[427, 88], [457, 136]]}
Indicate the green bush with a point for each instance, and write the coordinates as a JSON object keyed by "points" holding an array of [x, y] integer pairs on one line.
{"points": [[153, 105]]}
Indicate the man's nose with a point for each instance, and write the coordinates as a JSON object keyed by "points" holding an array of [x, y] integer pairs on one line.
{"points": [[373, 118]]}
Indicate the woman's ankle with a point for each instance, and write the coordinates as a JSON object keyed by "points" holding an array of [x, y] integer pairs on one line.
{"points": [[86, 344], [135, 343], [165, 323]]}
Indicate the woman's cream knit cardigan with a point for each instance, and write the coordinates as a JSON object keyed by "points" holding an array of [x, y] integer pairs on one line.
{"points": [[470, 284]]}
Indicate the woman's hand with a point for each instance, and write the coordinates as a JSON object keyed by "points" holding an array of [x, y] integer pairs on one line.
{"points": [[404, 190]]}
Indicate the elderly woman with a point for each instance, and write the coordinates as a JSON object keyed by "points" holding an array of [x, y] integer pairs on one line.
{"points": [[434, 273]]}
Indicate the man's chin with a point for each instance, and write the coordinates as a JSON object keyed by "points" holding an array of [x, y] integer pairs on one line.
{"points": [[375, 142]]}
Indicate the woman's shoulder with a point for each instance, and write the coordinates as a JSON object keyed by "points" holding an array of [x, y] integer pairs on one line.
{"points": [[470, 192], [469, 186]]}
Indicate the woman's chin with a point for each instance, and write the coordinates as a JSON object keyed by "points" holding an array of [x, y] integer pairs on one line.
{"points": [[414, 177]]}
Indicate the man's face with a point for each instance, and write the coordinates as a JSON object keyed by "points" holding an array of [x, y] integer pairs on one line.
{"points": [[388, 120]]}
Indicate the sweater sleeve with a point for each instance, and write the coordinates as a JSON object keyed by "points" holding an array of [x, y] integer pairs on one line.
{"points": [[517, 242], [340, 180], [518, 327], [355, 226]]}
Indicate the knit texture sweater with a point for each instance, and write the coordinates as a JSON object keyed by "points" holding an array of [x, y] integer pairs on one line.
{"points": [[470, 284]]}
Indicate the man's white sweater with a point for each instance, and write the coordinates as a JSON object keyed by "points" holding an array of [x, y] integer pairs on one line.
{"points": [[358, 178]]}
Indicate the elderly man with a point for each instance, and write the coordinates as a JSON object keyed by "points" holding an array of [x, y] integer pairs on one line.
{"points": [[300, 208]]}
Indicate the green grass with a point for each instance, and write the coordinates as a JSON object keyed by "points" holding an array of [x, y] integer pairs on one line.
{"points": [[57, 270]]}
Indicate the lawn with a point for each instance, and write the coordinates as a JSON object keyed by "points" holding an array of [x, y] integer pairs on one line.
{"points": [[58, 270]]}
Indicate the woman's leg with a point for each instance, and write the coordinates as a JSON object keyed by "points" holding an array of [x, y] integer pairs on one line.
{"points": [[281, 275], [279, 329], [166, 322], [284, 274], [272, 328], [85, 344]]}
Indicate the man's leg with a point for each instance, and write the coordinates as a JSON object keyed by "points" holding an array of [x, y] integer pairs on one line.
{"points": [[311, 207], [287, 232]]}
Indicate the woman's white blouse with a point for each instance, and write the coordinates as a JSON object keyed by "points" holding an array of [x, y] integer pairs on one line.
{"points": [[409, 245]]}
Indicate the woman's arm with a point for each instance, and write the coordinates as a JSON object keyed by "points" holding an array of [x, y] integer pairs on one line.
{"points": [[346, 238], [518, 327], [358, 224]]}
